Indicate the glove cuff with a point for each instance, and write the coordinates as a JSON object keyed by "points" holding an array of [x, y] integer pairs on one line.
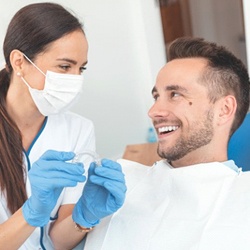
{"points": [[32, 218], [78, 217]]}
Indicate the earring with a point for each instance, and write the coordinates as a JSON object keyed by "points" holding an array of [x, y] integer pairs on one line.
{"points": [[18, 74]]}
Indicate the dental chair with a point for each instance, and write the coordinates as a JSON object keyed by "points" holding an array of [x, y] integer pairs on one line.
{"points": [[239, 145]]}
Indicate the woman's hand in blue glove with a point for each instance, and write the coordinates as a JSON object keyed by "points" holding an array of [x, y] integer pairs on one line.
{"points": [[48, 176], [103, 194]]}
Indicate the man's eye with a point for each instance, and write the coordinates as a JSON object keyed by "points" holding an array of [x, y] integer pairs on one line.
{"points": [[175, 94]]}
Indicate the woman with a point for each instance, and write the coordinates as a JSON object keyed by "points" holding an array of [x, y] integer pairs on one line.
{"points": [[45, 49]]}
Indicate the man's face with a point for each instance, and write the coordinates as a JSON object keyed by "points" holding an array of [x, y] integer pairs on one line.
{"points": [[182, 114]]}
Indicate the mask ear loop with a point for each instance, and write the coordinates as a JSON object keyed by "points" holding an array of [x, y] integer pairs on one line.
{"points": [[33, 64]]}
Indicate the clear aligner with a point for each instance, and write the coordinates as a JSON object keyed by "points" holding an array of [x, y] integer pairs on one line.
{"points": [[93, 154]]}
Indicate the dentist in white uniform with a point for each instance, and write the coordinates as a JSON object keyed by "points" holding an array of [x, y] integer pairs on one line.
{"points": [[42, 202]]}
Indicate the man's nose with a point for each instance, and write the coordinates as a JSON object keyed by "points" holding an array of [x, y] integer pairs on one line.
{"points": [[159, 109]]}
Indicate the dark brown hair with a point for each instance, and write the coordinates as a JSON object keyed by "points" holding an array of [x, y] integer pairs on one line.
{"points": [[31, 31], [225, 73]]}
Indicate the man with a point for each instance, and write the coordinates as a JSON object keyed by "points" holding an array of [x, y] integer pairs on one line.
{"points": [[195, 198]]}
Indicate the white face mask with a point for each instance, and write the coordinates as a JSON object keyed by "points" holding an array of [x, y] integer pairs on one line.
{"points": [[60, 91]]}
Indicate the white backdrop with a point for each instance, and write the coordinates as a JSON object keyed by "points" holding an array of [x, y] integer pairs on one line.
{"points": [[220, 21], [246, 8], [126, 50]]}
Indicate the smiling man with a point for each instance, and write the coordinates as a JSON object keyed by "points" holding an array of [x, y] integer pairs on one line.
{"points": [[182, 113], [195, 198]]}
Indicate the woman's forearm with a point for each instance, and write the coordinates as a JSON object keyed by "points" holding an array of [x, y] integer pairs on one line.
{"points": [[13, 227], [63, 233]]}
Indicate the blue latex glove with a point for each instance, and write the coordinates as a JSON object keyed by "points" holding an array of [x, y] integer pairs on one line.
{"points": [[103, 194], [48, 176]]}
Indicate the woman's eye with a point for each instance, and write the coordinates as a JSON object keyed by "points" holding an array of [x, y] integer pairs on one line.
{"points": [[155, 97], [82, 69], [65, 67]]}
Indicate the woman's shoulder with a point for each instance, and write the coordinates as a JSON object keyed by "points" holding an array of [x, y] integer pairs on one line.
{"points": [[70, 118]]}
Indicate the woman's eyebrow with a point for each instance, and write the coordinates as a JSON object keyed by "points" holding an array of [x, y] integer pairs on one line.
{"points": [[70, 61]]}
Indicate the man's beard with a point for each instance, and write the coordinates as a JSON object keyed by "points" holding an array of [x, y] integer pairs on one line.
{"points": [[200, 135]]}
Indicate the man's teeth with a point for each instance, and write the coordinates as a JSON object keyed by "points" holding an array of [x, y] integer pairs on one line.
{"points": [[167, 129]]}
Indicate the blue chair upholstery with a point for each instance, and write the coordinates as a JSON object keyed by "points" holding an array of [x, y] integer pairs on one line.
{"points": [[239, 145]]}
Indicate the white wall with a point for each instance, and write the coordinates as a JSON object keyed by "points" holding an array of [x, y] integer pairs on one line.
{"points": [[126, 52], [219, 21], [246, 8]]}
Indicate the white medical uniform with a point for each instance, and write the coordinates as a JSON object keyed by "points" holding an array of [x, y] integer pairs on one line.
{"points": [[200, 207], [62, 132]]}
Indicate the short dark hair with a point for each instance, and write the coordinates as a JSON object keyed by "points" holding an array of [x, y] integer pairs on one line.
{"points": [[225, 73]]}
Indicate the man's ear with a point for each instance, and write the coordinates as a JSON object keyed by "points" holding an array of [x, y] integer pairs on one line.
{"points": [[17, 61], [227, 108]]}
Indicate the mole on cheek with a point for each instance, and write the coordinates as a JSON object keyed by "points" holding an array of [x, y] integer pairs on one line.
{"points": [[190, 103]]}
